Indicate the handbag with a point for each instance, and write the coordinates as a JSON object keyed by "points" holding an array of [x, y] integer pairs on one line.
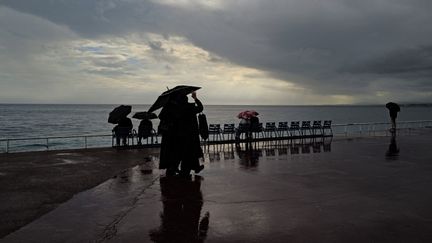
{"points": [[203, 126]]}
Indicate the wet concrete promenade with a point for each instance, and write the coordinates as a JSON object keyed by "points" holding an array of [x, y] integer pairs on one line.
{"points": [[375, 189]]}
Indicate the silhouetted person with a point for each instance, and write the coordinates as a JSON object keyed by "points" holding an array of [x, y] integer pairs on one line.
{"points": [[122, 130], [393, 110], [145, 129], [244, 127], [180, 136], [180, 220], [248, 126], [393, 150]]}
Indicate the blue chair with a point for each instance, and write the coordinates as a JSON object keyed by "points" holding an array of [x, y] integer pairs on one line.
{"points": [[257, 129], [228, 129], [327, 126], [215, 131], [316, 126], [122, 136], [294, 127], [306, 126], [283, 127], [270, 129]]}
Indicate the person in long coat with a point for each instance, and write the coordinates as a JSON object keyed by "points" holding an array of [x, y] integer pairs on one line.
{"points": [[180, 136]]}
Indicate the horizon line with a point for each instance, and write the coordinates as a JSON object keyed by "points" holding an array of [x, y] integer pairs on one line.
{"points": [[358, 104]]}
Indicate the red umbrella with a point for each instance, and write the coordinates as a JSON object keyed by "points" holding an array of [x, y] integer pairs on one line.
{"points": [[248, 114]]}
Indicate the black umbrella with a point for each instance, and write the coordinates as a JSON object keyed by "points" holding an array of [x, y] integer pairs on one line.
{"points": [[144, 115], [393, 106], [119, 112], [165, 96]]}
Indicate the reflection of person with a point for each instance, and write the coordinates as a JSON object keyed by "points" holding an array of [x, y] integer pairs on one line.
{"points": [[393, 110], [180, 136], [182, 203], [249, 157], [144, 129], [122, 130], [393, 150]]}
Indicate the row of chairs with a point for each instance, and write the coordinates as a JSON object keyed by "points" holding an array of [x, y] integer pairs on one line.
{"points": [[270, 130]]}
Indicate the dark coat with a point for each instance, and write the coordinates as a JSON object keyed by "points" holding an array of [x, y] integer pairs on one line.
{"points": [[123, 127], [125, 122], [180, 135], [145, 128]]}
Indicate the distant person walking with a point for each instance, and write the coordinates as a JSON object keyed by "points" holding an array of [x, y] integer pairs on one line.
{"points": [[180, 135], [393, 110]]}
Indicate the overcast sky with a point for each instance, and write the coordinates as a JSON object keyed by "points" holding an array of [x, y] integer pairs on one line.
{"points": [[282, 52]]}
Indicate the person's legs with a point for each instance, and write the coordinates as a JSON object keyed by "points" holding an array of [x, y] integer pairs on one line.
{"points": [[172, 171], [237, 133], [173, 166], [196, 166], [185, 170], [393, 115], [393, 122], [189, 163]]}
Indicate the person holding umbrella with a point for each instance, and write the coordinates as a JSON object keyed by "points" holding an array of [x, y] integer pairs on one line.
{"points": [[145, 127], [124, 124], [393, 110], [123, 129], [178, 126], [248, 120]]}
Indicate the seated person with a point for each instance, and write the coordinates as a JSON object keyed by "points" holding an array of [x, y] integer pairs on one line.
{"points": [[122, 130], [255, 125], [244, 126], [145, 129]]}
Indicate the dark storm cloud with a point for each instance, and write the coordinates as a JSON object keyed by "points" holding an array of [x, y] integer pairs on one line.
{"points": [[413, 62], [330, 46], [91, 18]]}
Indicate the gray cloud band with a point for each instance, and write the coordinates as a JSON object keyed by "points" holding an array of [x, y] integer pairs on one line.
{"points": [[332, 46]]}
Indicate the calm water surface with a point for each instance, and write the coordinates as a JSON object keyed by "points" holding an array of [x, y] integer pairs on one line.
{"points": [[62, 120], [23, 121]]}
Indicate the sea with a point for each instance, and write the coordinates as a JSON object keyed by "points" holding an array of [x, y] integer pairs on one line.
{"points": [[19, 121]]}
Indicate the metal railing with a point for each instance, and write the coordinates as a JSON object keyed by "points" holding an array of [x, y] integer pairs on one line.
{"points": [[369, 128], [54, 142], [105, 140]]}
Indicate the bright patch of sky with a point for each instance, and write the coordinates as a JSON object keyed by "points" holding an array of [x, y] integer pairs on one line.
{"points": [[240, 52]]}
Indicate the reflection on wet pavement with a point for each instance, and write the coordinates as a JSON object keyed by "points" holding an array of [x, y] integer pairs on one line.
{"points": [[181, 219], [393, 150], [284, 191], [131, 204], [248, 154]]}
